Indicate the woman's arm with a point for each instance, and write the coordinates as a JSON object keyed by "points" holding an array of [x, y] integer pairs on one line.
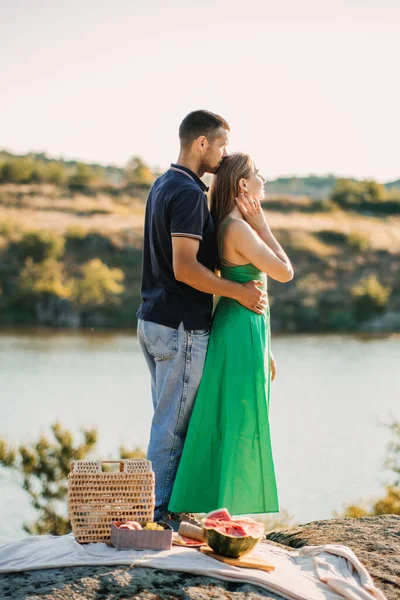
{"points": [[244, 240], [254, 216]]}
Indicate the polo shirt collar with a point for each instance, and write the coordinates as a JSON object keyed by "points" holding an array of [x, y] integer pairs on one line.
{"points": [[189, 172]]}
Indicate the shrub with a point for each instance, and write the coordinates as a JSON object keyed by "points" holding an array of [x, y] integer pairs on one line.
{"points": [[282, 520], [76, 233], [83, 177], [393, 456], [348, 193], [48, 277], [55, 172], [8, 227], [366, 195], [353, 511], [41, 245], [138, 172], [16, 171], [329, 236], [370, 298], [98, 285], [43, 468], [340, 319], [390, 503], [359, 241]]}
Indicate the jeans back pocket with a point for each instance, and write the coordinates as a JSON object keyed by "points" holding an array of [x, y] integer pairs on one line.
{"points": [[161, 341]]}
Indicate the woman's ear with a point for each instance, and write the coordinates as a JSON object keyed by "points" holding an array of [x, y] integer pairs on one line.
{"points": [[242, 185]]}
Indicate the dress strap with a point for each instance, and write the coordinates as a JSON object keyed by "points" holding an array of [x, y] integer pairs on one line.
{"points": [[221, 235]]}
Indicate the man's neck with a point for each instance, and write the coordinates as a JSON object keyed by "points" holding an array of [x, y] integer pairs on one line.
{"points": [[190, 163]]}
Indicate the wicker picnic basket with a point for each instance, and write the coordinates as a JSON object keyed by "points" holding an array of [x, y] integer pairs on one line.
{"points": [[96, 498]]}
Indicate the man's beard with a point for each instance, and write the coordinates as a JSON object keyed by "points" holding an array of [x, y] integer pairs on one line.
{"points": [[207, 168], [219, 164]]}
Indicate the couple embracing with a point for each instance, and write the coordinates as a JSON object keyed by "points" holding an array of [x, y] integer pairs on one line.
{"points": [[210, 378]]}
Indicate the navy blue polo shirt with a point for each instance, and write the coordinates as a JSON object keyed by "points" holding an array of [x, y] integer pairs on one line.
{"points": [[176, 206]]}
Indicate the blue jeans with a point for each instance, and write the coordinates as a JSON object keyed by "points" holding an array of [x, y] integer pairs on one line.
{"points": [[175, 358]]}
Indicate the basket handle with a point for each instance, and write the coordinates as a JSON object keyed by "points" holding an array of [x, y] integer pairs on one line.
{"points": [[107, 462], [95, 466]]}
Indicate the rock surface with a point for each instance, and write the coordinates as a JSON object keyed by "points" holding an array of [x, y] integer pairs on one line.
{"points": [[375, 540]]}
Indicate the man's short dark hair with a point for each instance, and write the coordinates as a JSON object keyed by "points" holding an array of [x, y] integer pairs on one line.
{"points": [[200, 122]]}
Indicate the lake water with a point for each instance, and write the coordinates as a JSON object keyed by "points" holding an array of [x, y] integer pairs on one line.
{"points": [[330, 398]]}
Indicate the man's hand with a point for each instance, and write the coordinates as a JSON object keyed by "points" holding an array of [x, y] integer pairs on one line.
{"points": [[272, 367], [252, 296], [251, 210]]}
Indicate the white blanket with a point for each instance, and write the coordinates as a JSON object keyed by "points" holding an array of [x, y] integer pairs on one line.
{"points": [[311, 573]]}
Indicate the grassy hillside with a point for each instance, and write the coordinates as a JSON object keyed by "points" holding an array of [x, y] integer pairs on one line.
{"points": [[71, 237], [73, 258], [40, 168]]}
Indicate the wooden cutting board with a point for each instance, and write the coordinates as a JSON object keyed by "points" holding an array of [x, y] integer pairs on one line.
{"points": [[247, 561]]}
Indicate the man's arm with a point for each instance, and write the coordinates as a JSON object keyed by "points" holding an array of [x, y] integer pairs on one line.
{"points": [[188, 270]]}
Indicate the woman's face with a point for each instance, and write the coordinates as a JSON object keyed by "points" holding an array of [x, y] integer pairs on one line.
{"points": [[255, 185]]}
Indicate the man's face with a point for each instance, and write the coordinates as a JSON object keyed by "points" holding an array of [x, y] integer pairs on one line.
{"points": [[216, 151]]}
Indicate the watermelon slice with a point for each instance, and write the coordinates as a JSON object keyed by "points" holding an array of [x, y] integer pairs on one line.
{"points": [[231, 536], [221, 514], [232, 529], [181, 540]]}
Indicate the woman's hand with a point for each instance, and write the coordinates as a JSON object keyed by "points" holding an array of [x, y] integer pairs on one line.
{"points": [[251, 210], [272, 367]]}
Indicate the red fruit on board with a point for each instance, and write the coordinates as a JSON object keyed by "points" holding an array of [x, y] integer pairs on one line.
{"points": [[231, 537], [190, 541]]}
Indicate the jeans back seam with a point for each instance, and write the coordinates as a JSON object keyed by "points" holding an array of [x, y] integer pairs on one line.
{"points": [[188, 361]]}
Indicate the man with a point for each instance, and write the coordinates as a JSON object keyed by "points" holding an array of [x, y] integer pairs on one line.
{"points": [[178, 283]]}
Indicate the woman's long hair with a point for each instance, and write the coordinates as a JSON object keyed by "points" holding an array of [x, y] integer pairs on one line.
{"points": [[225, 185]]}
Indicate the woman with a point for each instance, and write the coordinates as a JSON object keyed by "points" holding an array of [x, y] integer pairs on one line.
{"points": [[227, 459]]}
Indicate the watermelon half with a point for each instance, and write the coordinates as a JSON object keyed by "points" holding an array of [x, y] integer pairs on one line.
{"points": [[230, 536]]}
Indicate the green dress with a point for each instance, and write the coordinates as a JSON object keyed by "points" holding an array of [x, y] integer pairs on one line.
{"points": [[227, 459]]}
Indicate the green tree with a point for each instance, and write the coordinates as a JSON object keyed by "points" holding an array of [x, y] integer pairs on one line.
{"points": [[56, 173], [393, 456], [38, 173], [45, 278], [282, 520], [136, 452], [98, 285], [138, 172], [41, 245], [370, 298], [42, 468], [389, 504], [18, 170], [356, 194], [83, 177], [373, 191], [359, 241]]}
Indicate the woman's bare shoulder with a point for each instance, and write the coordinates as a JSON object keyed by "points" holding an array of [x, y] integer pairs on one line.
{"points": [[239, 228], [237, 225]]}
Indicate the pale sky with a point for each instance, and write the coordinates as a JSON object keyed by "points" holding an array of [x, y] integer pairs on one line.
{"points": [[307, 86]]}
